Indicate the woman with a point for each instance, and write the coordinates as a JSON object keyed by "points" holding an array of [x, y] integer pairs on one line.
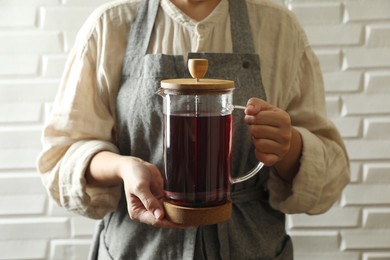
{"points": [[105, 130]]}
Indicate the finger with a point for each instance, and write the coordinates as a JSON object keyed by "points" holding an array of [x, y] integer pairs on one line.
{"points": [[138, 212], [269, 159], [264, 131], [268, 146], [267, 151], [164, 223], [157, 182], [275, 117], [255, 105], [280, 136], [150, 202]]}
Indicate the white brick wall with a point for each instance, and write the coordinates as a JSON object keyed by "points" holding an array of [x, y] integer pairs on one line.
{"points": [[352, 41]]}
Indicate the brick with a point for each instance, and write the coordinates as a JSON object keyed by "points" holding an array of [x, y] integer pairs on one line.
{"points": [[32, 228], [336, 217], [23, 249], [377, 128], [333, 106], [358, 58], [341, 82], [315, 241], [19, 64], [362, 194], [38, 42], [30, 2], [26, 112], [330, 60], [361, 104], [348, 126], [53, 66], [376, 256], [356, 169], [365, 239], [368, 149], [70, 39], [377, 82], [22, 204], [17, 16], [336, 35], [70, 249], [28, 90], [17, 183], [82, 226], [378, 36], [376, 218], [20, 137], [318, 13], [366, 10], [47, 108], [60, 18], [378, 173], [14, 158]]}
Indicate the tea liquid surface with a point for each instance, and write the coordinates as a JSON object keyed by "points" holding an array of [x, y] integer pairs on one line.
{"points": [[198, 159]]}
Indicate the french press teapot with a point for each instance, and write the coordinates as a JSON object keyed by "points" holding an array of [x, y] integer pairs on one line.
{"points": [[198, 147]]}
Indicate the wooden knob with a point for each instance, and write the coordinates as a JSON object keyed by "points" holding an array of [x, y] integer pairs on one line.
{"points": [[198, 67]]}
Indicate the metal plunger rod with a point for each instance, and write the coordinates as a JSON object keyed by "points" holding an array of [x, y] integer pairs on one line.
{"points": [[198, 69]]}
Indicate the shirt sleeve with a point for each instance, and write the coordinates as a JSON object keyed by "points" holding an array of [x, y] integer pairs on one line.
{"points": [[80, 125], [324, 166]]}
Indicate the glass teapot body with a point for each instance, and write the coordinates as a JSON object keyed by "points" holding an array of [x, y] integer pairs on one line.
{"points": [[197, 147]]}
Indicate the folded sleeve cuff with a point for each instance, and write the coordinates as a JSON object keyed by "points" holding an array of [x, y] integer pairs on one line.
{"points": [[74, 193], [305, 191]]}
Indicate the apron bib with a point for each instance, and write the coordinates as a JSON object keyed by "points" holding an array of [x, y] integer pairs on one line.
{"points": [[255, 231]]}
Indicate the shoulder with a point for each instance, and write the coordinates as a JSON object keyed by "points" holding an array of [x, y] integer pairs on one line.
{"points": [[115, 15], [268, 7], [116, 10], [273, 20]]}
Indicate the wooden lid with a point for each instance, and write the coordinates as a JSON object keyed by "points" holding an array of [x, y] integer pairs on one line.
{"points": [[201, 84], [198, 69], [198, 216]]}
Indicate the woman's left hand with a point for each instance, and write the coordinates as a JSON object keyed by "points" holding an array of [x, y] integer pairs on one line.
{"points": [[277, 143], [271, 130]]}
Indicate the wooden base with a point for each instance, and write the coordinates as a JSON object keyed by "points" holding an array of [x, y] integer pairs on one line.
{"points": [[198, 216]]}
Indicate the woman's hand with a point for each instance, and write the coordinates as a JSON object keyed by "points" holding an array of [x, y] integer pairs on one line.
{"points": [[144, 190], [276, 142], [142, 182]]}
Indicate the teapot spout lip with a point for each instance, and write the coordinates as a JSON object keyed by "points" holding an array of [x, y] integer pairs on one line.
{"points": [[161, 92]]}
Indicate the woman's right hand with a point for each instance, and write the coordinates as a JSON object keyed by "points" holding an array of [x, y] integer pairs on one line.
{"points": [[142, 182], [144, 189]]}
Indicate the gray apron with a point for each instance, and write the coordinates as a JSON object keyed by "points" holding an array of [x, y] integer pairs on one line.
{"points": [[255, 231]]}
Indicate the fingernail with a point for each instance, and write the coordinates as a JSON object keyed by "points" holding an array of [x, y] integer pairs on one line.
{"points": [[250, 106], [158, 213]]}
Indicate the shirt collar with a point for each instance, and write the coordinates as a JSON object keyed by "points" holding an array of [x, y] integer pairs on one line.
{"points": [[217, 15]]}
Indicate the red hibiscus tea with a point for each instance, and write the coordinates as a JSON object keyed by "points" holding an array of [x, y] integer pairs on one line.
{"points": [[197, 159]]}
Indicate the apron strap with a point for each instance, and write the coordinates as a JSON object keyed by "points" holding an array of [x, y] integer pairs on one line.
{"points": [[142, 27], [240, 26]]}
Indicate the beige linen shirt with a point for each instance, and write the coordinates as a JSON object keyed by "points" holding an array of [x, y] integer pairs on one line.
{"points": [[83, 122]]}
